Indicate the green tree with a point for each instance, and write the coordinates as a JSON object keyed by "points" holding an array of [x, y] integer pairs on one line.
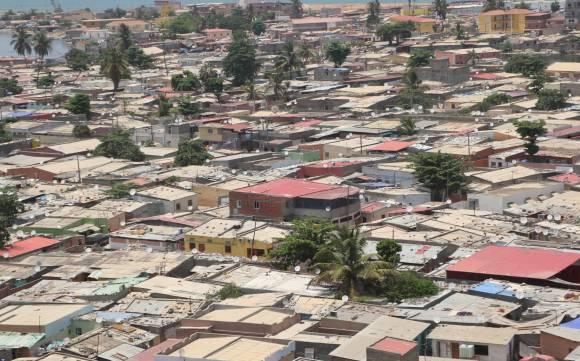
{"points": [[114, 65], [407, 126], [46, 81], [215, 86], [550, 99], [258, 27], [277, 83], [240, 62], [374, 16], [183, 24], [191, 152], [125, 37], [538, 82], [386, 32], [77, 60], [459, 32], [305, 240], [506, 46], [441, 173], [403, 30], [186, 106], [397, 286], [114, 13], [491, 101], [337, 52], [493, 5], [530, 131], [389, 251], [297, 9], [555, 6], [119, 190], [522, 5], [419, 58], [4, 135], [525, 64], [229, 291], [137, 58], [42, 45], [412, 94], [21, 42], [82, 131], [473, 57], [288, 61], [79, 104], [164, 105], [305, 52], [118, 144], [9, 87], [342, 262], [441, 9], [187, 81], [212, 82], [146, 13], [10, 206]]}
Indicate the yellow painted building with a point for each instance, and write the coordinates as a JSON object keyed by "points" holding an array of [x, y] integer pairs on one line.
{"points": [[415, 10], [423, 25], [511, 21], [234, 237]]}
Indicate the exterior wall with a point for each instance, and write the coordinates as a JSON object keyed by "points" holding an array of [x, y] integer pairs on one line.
{"points": [[378, 355], [239, 247], [496, 352], [572, 75], [497, 203], [555, 346], [242, 204], [210, 196], [218, 35], [211, 134], [122, 243], [405, 179], [180, 205], [502, 23]]}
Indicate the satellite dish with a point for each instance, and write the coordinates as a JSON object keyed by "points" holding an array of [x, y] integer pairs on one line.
{"points": [[437, 320], [254, 258], [550, 217], [6, 255], [33, 233], [194, 251], [297, 269], [99, 320], [557, 217], [523, 220], [344, 298], [88, 250], [132, 191], [317, 271], [149, 249], [37, 269]]}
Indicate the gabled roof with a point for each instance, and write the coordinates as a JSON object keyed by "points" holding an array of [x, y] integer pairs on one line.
{"points": [[391, 146], [287, 188], [29, 245]]}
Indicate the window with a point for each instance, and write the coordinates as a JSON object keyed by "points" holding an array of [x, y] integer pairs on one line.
{"points": [[78, 331], [201, 247], [238, 204], [209, 131], [228, 248], [481, 350], [190, 203], [309, 352], [256, 205], [177, 206]]}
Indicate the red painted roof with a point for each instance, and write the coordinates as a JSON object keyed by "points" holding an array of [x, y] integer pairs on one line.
{"points": [[29, 245], [392, 146], [393, 345], [150, 353], [516, 262], [570, 178], [373, 206], [287, 187], [485, 76]]}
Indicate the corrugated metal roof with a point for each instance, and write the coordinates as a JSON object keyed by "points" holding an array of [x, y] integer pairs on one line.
{"points": [[10, 340]]}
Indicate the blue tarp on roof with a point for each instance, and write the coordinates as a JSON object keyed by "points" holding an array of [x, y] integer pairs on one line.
{"points": [[493, 288], [575, 324]]}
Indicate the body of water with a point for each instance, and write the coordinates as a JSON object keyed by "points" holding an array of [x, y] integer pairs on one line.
{"points": [[59, 46]]}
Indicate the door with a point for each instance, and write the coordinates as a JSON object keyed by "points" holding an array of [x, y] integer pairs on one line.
{"points": [[454, 350]]}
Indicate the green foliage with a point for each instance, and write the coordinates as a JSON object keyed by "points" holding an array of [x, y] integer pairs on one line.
{"points": [[118, 190], [258, 27], [114, 65], [10, 206], [4, 135], [395, 31], [125, 37], [186, 106], [288, 61], [389, 251], [493, 5], [306, 239], [277, 83], [555, 6], [491, 101], [412, 94], [459, 32], [58, 99], [374, 16], [21, 42], [538, 82], [79, 104], [118, 144], [240, 62], [146, 13], [211, 80], [530, 131], [46, 81], [441, 9], [183, 24], [115, 13], [397, 286], [337, 52], [441, 173], [42, 44], [297, 9], [191, 153], [305, 53], [407, 126], [9, 87], [525, 64], [185, 82], [77, 60], [419, 58], [137, 58], [507, 46], [229, 291], [342, 262], [550, 99], [522, 5], [82, 131], [164, 105]]}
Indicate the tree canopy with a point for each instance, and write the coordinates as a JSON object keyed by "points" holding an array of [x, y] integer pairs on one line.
{"points": [[441, 173], [118, 190], [491, 101], [9, 87], [79, 104], [118, 144], [191, 152], [530, 131], [115, 66], [77, 59], [389, 251], [337, 51], [187, 106], [137, 58], [550, 99], [258, 27], [10, 206], [187, 81], [240, 62], [419, 58], [525, 64], [374, 13], [82, 131]]}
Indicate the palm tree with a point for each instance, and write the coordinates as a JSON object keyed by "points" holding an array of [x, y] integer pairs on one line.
{"points": [[344, 263], [42, 46], [305, 53], [276, 83], [125, 37], [472, 57], [250, 89], [459, 32], [288, 61], [115, 66], [407, 126], [21, 42]]}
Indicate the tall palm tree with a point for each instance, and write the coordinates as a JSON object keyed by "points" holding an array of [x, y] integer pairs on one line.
{"points": [[21, 42], [276, 83], [252, 92], [407, 126], [288, 61], [125, 37], [344, 263], [114, 65], [42, 45], [305, 53]]}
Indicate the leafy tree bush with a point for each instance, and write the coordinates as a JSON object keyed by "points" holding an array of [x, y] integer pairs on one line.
{"points": [[530, 131], [164, 105], [79, 104], [240, 62], [550, 99], [191, 153], [186, 106], [185, 82], [258, 27], [229, 291], [389, 250], [118, 144], [10, 206], [77, 60], [118, 190], [137, 58], [337, 51], [441, 173], [491, 101], [9, 87], [82, 131], [397, 286], [407, 126], [525, 64], [419, 58]]}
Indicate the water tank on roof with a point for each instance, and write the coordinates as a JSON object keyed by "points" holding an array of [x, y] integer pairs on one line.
{"points": [[466, 351]]}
